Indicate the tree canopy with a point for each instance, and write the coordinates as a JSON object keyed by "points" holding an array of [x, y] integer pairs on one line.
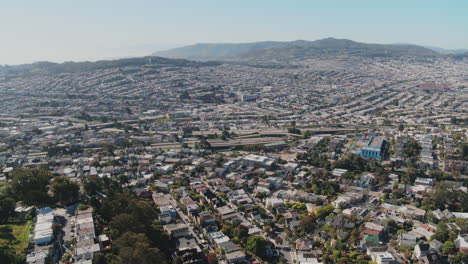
{"points": [[354, 162], [7, 208], [30, 186], [308, 222], [123, 223], [324, 211], [64, 190], [257, 245], [136, 248], [128, 218], [445, 196]]}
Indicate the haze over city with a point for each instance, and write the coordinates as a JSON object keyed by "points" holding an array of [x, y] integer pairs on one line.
{"points": [[59, 31]]}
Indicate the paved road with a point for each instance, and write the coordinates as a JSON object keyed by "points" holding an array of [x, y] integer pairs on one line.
{"points": [[187, 221], [287, 254], [284, 247], [396, 255]]}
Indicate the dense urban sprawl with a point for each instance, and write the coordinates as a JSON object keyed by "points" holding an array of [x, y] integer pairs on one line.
{"points": [[317, 161]]}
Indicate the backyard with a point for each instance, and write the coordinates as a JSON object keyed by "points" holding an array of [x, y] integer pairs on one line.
{"points": [[15, 236]]}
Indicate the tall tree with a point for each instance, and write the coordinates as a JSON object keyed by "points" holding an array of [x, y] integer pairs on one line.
{"points": [[30, 186], [241, 232], [7, 208], [324, 211], [442, 233], [123, 223], [64, 190], [135, 248], [459, 258], [449, 248], [308, 222], [257, 245]]}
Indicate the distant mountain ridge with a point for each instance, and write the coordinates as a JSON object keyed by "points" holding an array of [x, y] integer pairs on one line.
{"points": [[222, 50], [447, 51], [45, 67], [438, 49], [299, 49]]}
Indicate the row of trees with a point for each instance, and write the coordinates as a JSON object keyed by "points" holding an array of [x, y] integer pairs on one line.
{"points": [[308, 222], [447, 237], [240, 234], [138, 237], [323, 187], [36, 187], [32, 187], [354, 162], [446, 196]]}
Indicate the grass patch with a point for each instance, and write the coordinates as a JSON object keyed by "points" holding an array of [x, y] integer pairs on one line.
{"points": [[15, 236]]}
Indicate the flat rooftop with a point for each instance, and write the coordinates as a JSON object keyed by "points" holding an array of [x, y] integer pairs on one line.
{"points": [[376, 142]]}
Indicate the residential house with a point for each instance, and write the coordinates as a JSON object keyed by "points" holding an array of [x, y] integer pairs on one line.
{"points": [[177, 230]]}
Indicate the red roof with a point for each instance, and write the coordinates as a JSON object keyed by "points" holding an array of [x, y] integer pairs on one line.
{"points": [[201, 189]]}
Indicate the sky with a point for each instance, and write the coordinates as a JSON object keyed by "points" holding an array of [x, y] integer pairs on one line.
{"points": [[78, 30]]}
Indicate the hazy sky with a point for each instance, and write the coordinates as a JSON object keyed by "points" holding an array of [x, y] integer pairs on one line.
{"points": [[60, 30]]}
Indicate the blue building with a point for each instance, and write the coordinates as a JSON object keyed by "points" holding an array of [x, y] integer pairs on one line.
{"points": [[168, 209], [374, 149]]}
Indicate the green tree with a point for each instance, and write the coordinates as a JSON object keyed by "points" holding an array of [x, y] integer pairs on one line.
{"points": [[241, 232], [436, 174], [158, 236], [324, 187], [135, 248], [411, 150], [257, 245], [336, 255], [7, 208], [123, 223], [352, 162], [347, 175], [442, 233], [99, 258], [294, 130], [203, 143], [123, 203], [449, 248], [225, 135], [411, 174], [325, 211], [354, 236], [228, 229], [459, 258], [8, 255], [308, 222], [465, 150], [445, 196], [392, 226], [326, 258], [64, 190], [307, 134], [30, 186]]}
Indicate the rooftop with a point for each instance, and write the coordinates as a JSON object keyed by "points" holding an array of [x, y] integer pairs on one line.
{"points": [[376, 142]]}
